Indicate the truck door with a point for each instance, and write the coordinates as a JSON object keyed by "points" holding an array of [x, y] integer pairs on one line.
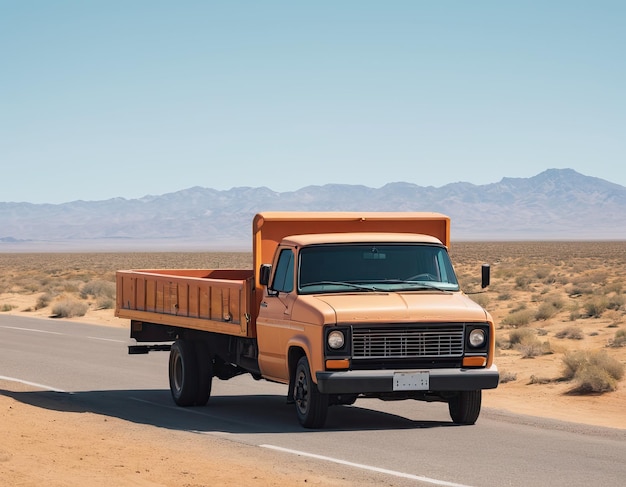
{"points": [[274, 326]]}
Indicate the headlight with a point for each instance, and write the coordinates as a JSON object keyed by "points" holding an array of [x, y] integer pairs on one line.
{"points": [[336, 339], [477, 338]]}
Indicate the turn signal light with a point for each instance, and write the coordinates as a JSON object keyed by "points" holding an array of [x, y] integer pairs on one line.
{"points": [[474, 361], [338, 364]]}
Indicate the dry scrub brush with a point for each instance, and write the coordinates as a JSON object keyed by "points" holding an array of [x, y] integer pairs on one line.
{"points": [[526, 342], [69, 308], [592, 371], [619, 340]]}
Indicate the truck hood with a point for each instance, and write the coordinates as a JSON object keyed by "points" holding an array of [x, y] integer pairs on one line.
{"points": [[401, 307]]}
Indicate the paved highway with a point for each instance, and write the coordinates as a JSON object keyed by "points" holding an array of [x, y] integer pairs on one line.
{"points": [[408, 442]]}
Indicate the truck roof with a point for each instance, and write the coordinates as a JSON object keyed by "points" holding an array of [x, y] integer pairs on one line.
{"points": [[363, 237]]}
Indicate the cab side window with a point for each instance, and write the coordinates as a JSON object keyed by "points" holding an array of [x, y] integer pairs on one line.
{"points": [[283, 277]]}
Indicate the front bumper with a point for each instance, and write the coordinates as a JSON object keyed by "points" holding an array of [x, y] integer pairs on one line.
{"points": [[378, 381]]}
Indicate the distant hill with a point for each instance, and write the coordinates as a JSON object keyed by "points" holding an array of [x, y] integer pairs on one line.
{"points": [[558, 204]]}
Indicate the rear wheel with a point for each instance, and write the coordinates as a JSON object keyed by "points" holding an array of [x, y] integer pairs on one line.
{"points": [[464, 407], [205, 373], [183, 373], [311, 404]]}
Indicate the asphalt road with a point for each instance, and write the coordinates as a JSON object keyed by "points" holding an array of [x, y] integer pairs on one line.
{"points": [[411, 443]]}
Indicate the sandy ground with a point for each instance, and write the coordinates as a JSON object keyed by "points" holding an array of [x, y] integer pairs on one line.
{"points": [[44, 446]]}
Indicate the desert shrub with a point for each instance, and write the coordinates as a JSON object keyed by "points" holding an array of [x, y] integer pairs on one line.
{"points": [[98, 288], [595, 307], [561, 279], [603, 360], [578, 289], [105, 303], [555, 300], [551, 279], [7, 307], [531, 347], [572, 361], [574, 312], [525, 341], [615, 302], [72, 286], [504, 296], [619, 340], [44, 300], [542, 272], [522, 282], [571, 332], [506, 376], [69, 308], [517, 336], [546, 311], [592, 371], [593, 378], [516, 318]]}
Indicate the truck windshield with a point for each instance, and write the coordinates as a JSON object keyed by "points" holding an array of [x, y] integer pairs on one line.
{"points": [[375, 267]]}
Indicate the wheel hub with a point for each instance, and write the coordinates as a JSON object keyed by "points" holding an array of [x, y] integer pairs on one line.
{"points": [[300, 393]]}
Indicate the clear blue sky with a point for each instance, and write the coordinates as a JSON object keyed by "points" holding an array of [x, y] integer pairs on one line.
{"points": [[108, 98]]}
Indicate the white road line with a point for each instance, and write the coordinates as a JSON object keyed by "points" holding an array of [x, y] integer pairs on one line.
{"points": [[32, 329], [34, 384], [59, 333], [366, 467]]}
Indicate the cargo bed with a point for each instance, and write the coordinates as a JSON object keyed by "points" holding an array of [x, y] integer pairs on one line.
{"points": [[219, 300]]}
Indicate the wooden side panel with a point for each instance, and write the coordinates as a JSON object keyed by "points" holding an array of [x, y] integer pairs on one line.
{"points": [[193, 300], [189, 300], [205, 300], [140, 293], [151, 295]]}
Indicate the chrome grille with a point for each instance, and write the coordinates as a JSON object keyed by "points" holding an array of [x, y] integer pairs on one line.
{"points": [[414, 342]]}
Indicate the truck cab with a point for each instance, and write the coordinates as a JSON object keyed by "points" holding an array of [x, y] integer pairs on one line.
{"points": [[372, 314]]}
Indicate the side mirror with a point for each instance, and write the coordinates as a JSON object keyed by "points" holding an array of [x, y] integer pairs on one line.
{"points": [[264, 274], [486, 275]]}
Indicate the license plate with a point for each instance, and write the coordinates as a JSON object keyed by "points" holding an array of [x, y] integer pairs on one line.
{"points": [[411, 381]]}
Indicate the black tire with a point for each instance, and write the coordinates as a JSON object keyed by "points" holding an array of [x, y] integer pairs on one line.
{"points": [[311, 405], [465, 407], [205, 373], [183, 372]]}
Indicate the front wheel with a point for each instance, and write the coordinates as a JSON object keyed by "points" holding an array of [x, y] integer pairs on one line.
{"points": [[464, 407], [311, 404]]}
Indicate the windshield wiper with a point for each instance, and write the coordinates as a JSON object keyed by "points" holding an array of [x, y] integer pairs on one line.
{"points": [[414, 284], [341, 283]]}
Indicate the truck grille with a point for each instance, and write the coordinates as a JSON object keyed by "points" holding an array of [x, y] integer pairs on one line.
{"points": [[419, 341]]}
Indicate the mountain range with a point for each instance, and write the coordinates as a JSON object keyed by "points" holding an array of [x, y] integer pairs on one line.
{"points": [[557, 204]]}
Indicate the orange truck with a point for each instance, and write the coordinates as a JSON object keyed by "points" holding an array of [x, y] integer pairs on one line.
{"points": [[338, 305]]}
